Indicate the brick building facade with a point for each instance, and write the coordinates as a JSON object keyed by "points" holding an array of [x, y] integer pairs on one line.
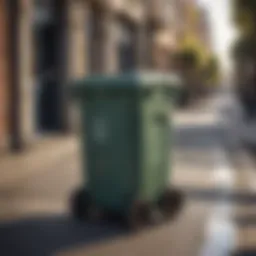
{"points": [[25, 72], [54, 41], [3, 77]]}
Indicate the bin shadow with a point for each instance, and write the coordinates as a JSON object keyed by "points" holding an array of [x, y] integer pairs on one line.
{"points": [[48, 235]]}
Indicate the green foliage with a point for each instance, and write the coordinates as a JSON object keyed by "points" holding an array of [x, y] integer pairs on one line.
{"points": [[212, 69], [244, 4], [188, 58], [244, 15], [244, 22], [244, 48]]}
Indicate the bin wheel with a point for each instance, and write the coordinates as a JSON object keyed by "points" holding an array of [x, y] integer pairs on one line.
{"points": [[170, 203], [138, 216], [80, 204]]}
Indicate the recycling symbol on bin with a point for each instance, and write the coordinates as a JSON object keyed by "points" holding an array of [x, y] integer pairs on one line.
{"points": [[99, 130]]}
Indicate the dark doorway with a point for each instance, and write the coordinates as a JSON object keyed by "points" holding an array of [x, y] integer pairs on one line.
{"points": [[127, 46], [50, 63]]}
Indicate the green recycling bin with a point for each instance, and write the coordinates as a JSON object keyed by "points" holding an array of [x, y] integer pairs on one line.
{"points": [[126, 140]]}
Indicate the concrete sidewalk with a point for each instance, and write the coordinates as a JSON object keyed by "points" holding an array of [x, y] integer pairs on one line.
{"points": [[15, 167], [244, 215], [39, 181]]}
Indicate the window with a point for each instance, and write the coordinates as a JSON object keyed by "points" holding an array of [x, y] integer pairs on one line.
{"points": [[42, 11]]}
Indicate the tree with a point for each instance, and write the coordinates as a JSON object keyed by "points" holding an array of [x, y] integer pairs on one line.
{"points": [[244, 54], [244, 48], [244, 15], [187, 59], [212, 70]]}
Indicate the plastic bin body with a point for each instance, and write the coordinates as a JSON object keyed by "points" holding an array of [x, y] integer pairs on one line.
{"points": [[126, 137]]}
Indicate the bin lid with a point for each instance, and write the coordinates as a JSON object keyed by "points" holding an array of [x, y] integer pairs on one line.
{"points": [[126, 82]]}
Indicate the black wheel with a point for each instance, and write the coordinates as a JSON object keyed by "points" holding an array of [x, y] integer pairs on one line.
{"points": [[170, 203], [138, 216], [80, 204]]}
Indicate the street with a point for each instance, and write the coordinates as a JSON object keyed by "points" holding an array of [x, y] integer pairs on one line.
{"points": [[35, 216]]}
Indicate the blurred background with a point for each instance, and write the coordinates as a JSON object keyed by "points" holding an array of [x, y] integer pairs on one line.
{"points": [[46, 44]]}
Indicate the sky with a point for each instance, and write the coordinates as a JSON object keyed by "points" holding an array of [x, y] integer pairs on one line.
{"points": [[223, 32]]}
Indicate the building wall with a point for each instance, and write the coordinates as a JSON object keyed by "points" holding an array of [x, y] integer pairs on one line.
{"points": [[102, 26], [78, 50], [78, 56], [163, 36], [185, 22], [110, 53], [26, 71], [78, 42], [3, 76], [106, 44]]}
